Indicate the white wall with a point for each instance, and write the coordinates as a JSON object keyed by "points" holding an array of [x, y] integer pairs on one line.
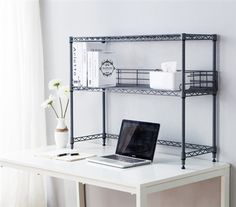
{"points": [[61, 19]]}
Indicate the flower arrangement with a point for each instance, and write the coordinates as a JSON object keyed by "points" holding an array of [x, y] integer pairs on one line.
{"points": [[62, 95]]}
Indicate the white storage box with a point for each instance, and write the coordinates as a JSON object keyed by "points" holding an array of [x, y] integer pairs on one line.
{"points": [[165, 80]]}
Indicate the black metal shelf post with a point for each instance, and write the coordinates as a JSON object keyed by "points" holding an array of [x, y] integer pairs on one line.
{"points": [[198, 83], [214, 103], [183, 154], [103, 117], [71, 96]]}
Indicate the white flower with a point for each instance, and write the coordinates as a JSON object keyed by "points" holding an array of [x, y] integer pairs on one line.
{"points": [[54, 84], [48, 101], [63, 91]]}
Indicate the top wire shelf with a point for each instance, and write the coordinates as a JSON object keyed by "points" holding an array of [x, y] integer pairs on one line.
{"points": [[143, 38]]}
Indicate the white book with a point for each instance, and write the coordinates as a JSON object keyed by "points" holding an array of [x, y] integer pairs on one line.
{"points": [[55, 154], [84, 65], [103, 69], [96, 69], [89, 60], [84, 48], [70, 158], [75, 64], [79, 59]]}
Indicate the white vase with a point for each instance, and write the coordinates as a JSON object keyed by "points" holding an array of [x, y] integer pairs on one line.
{"points": [[61, 133]]}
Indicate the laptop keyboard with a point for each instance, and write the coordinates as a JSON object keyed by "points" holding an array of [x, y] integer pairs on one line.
{"points": [[123, 159]]}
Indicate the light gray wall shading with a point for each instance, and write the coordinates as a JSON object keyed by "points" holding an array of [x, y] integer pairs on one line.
{"points": [[61, 19]]}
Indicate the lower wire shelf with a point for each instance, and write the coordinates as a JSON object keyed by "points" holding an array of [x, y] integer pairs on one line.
{"points": [[196, 148]]}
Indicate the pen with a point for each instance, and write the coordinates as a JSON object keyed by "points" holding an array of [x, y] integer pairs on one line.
{"points": [[61, 155], [74, 154]]}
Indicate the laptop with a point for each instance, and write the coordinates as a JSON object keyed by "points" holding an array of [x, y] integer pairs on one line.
{"points": [[136, 145]]}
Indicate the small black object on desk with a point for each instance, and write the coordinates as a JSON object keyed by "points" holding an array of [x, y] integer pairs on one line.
{"points": [[71, 154]]}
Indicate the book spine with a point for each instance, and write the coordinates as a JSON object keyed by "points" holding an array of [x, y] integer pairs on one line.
{"points": [[96, 69], [92, 69], [75, 66], [84, 65], [89, 59], [79, 63]]}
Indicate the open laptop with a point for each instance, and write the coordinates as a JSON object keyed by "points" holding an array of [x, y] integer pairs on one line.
{"points": [[136, 145]]}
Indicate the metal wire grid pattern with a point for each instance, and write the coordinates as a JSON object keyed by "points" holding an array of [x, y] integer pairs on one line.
{"points": [[143, 91], [112, 136], [190, 93], [198, 149], [198, 80], [200, 37], [147, 91], [132, 90], [136, 77], [88, 137], [199, 152], [136, 38], [179, 144], [130, 81], [202, 79], [75, 88]]}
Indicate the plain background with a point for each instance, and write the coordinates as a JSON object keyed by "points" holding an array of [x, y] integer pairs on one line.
{"points": [[61, 19]]}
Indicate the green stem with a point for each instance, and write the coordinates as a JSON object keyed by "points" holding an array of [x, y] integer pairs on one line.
{"points": [[54, 110], [66, 108], [61, 107]]}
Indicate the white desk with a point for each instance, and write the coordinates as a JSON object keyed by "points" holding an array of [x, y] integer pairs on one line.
{"points": [[165, 172]]}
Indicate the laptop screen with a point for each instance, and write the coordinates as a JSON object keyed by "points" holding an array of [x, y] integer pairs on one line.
{"points": [[137, 139]]}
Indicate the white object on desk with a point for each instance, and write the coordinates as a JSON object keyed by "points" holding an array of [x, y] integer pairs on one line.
{"points": [[55, 154], [70, 158], [52, 152], [164, 173]]}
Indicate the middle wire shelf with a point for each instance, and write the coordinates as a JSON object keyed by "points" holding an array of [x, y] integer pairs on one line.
{"points": [[136, 81], [195, 149]]}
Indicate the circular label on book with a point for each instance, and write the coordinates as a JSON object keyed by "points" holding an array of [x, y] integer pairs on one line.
{"points": [[107, 68]]}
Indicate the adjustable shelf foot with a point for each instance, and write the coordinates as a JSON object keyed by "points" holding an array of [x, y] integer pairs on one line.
{"points": [[72, 146], [214, 154], [104, 139], [183, 164]]}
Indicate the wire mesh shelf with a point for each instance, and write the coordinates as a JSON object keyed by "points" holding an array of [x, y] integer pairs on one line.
{"points": [[136, 81], [76, 88], [142, 38], [201, 151], [197, 149], [143, 91], [212, 37], [88, 137]]}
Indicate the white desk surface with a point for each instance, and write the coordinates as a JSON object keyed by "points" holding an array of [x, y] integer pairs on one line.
{"points": [[165, 167]]}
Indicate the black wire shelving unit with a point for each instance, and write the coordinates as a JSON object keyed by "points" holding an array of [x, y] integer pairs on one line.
{"points": [[135, 81]]}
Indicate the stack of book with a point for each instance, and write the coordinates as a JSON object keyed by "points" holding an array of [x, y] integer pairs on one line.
{"points": [[92, 67]]}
